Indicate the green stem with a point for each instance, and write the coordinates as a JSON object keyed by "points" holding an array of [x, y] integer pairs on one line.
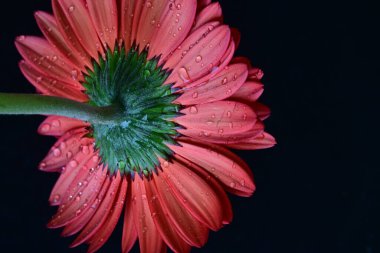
{"points": [[32, 104]]}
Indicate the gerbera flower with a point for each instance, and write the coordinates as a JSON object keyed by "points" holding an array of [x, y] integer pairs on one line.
{"points": [[145, 99]]}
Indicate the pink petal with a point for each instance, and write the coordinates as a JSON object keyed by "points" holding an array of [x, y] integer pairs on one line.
{"points": [[50, 86], [203, 3], [249, 92], [74, 22], [126, 21], [80, 193], [163, 222], [103, 234], [222, 117], [262, 111], [227, 208], [174, 26], [49, 28], [129, 230], [236, 36], [46, 59], [75, 227], [262, 141], [255, 73], [225, 166], [188, 227], [195, 194], [104, 16], [199, 53], [149, 239], [64, 149], [212, 12], [223, 85], [58, 126], [101, 213], [151, 15]]}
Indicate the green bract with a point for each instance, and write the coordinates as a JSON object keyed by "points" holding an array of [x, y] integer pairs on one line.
{"points": [[139, 132]]}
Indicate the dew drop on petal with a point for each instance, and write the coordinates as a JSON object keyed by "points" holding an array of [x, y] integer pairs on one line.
{"points": [[56, 123], [45, 128], [224, 81], [74, 74], [193, 110], [57, 152], [56, 198], [71, 8], [232, 185], [195, 95], [198, 59], [184, 75], [229, 114], [73, 163], [85, 150]]}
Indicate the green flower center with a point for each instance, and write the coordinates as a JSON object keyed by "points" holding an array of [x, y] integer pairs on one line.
{"points": [[133, 87]]}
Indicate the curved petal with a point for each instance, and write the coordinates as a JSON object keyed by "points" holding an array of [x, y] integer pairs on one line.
{"points": [[127, 15], [222, 117], [101, 213], [149, 238], [249, 92], [46, 59], [129, 231], [188, 227], [49, 28], [256, 73], [195, 195], [174, 26], [199, 53], [212, 12], [64, 149], [75, 227], [222, 86], [262, 111], [262, 141], [104, 16], [225, 166], [50, 86], [58, 125], [162, 221], [105, 231]]}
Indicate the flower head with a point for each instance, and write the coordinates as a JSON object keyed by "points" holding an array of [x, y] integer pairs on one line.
{"points": [[172, 100]]}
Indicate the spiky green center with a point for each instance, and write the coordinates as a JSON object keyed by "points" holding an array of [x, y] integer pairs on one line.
{"points": [[133, 86]]}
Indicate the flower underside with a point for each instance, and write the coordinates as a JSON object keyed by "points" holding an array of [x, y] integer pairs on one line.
{"points": [[142, 106]]}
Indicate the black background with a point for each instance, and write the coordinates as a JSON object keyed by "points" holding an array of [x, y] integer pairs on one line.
{"points": [[317, 190]]}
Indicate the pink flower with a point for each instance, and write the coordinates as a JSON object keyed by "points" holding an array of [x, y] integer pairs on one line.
{"points": [[174, 171]]}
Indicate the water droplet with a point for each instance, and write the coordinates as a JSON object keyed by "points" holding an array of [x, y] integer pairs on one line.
{"points": [[71, 8], [231, 125], [80, 184], [45, 128], [57, 152], [232, 185], [235, 77], [73, 163], [42, 165], [95, 158], [229, 114], [21, 38], [165, 164], [195, 95], [244, 116], [56, 123], [149, 4], [225, 80], [180, 28], [74, 74], [69, 154], [85, 150], [39, 79], [198, 59], [184, 75], [178, 6], [92, 170], [221, 131], [193, 110], [153, 21], [242, 182]]}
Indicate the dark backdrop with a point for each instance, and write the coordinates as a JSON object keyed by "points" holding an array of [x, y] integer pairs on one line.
{"points": [[317, 191]]}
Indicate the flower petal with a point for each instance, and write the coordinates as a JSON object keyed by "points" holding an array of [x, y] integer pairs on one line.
{"points": [[149, 239], [225, 83], [195, 195], [222, 117], [188, 227], [162, 221], [46, 59], [174, 26], [129, 230], [212, 12], [50, 86], [64, 149], [199, 53], [101, 213], [225, 166], [103, 234], [75, 227], [49, 28], [249, 92], [58, 125], [104, 16], [126, 21], [75, 23], [262, 111], [262, 141]]}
